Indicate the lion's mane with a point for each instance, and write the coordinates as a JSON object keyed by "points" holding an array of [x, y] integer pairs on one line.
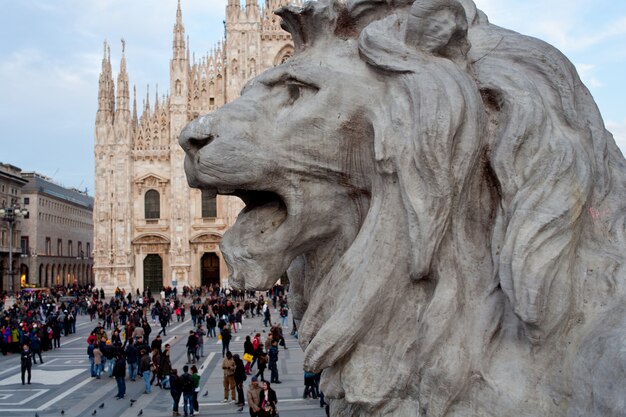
{"points": [[510, 193]]}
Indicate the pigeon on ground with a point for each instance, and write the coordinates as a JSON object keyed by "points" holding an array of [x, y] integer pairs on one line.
{"points": [[94, 413], [36, 414], [102, 405], [62, 412], [141, 412], [132, 400]]}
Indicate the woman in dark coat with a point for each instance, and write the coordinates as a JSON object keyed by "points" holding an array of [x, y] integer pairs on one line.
{"points": [[249, 349], [268, 401], [240, 377]]}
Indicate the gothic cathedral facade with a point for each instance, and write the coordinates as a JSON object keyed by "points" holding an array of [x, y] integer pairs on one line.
{"points": [[152, 230]]}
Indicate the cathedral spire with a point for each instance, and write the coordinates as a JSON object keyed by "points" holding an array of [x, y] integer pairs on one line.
{"points": [[178, 48], [122, 83], [106, 88], [134, 104]]}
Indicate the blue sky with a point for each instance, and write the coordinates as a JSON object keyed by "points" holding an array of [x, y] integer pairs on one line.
{"points": [[51, 52]]}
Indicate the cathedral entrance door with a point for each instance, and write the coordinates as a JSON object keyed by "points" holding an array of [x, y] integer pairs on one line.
{"points": [[210, 264], [153, 272]]}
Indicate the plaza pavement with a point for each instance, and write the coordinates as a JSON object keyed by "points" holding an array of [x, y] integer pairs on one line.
{"points": [[63, 382]]}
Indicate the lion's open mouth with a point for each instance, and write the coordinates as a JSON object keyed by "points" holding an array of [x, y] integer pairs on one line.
{"points": [[253, 246]]}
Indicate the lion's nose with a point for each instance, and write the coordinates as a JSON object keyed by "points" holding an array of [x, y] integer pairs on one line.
{"points": [[196, 134]]}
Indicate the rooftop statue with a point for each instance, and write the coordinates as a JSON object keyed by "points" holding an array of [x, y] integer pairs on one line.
{"points": [[449, 207]]}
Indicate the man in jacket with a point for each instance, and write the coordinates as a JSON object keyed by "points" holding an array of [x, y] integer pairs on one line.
{"points": [[144, 368], [187, 387], [273, 362], [27, 362], [192, 346], [254, 397], [228, 365], [132, 357], [119, 372]]}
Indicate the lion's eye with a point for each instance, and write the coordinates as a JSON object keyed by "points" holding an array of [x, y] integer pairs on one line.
{"points": [[294, 92], [297, 90]]}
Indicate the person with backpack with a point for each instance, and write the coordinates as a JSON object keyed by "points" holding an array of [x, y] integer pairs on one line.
{"points": [[187, 389]]}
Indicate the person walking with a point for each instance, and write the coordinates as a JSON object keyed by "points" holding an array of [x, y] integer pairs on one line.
{"points": [[175, 390], [273, 362], [92, 363], [226, 337], [211, 325], [200, 333], [144, 369], [35, 347], [240, 378], [97, 360], [187, 388], [165, 368], [262, 364], [254, 397], [248, 352], [156, 367], [228, 365], [268, 401], [192, 346], [310, 388], [195, 377], [132, 357], [27, 362], [119, 372]]}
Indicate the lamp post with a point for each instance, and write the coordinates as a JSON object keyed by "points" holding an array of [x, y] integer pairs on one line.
{"points": [[10, 214]]}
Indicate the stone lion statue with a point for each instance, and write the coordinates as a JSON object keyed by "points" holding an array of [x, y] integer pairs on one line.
{"points": [[449, 207]]}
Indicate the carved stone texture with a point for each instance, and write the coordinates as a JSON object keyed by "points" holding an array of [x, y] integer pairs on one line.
{"points": [[449, 207]]}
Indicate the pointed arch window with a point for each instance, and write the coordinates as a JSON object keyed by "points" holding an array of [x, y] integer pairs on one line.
{"points": [[152, 202]]}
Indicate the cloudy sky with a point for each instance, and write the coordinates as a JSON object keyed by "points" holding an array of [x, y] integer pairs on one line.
{"points": [[51, 51]]}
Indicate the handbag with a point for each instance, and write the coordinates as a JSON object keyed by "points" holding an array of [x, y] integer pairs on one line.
{"points": [[247, 357]]}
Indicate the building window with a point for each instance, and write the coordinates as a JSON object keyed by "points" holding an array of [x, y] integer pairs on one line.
{"points": [[152, 204], [88, 250], [209, 204], [24, 245], [26, 201], [70, 248], [48, 246], [59, 247], [80, 249]]}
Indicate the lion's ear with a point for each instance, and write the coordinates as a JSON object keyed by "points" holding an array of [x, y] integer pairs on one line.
{"points": [[438, 27]]}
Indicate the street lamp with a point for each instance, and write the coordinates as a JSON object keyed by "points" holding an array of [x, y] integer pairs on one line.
{"points": [[10, 214]]}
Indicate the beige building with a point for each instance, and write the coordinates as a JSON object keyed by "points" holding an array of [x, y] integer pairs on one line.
{"points": [[150, 228], [57, 236]]}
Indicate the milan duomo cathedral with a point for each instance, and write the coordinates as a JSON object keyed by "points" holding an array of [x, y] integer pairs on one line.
{"points": [[152, 229]]}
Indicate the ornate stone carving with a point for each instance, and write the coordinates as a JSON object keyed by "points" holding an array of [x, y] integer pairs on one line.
{"points": [[448, 204]]}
